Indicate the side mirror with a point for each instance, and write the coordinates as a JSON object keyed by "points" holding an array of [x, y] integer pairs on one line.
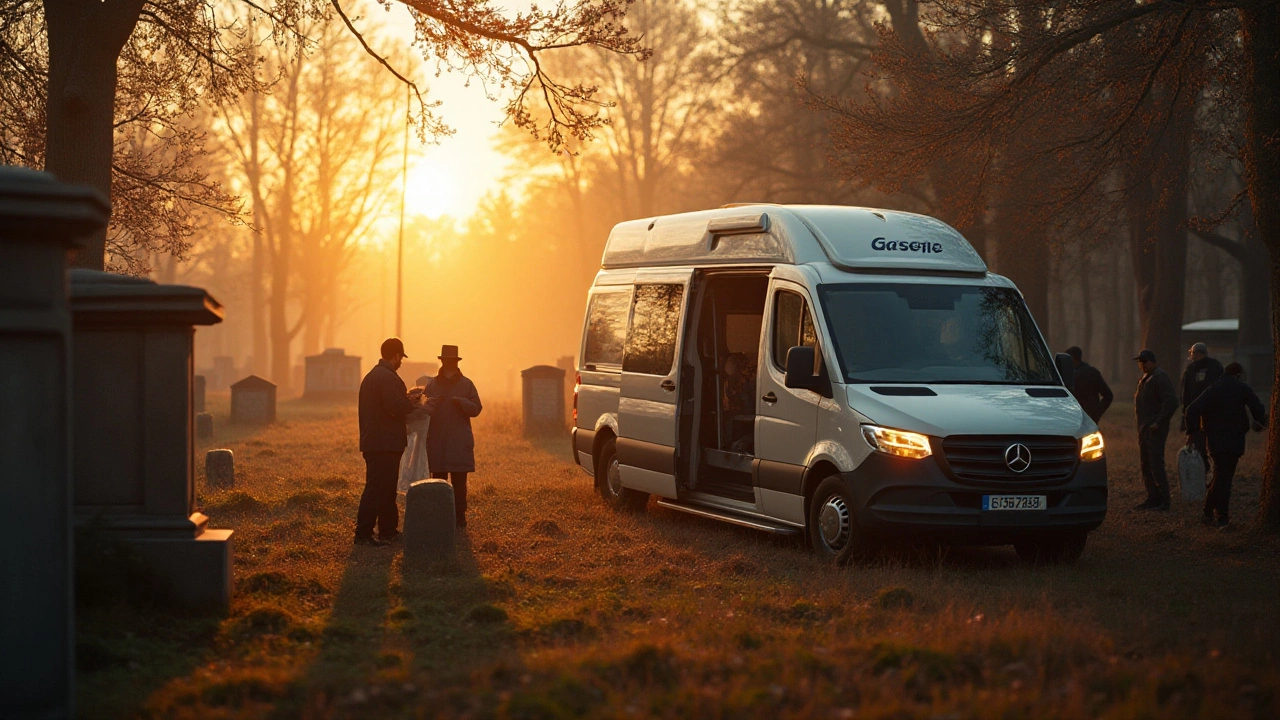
{"points": [[1066, 368], [800, 364]]}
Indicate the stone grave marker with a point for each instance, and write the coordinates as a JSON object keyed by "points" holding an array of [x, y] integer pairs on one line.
{"points": [[332, 375], [204, 425], [429, 532], [253, 401], [543, 399], [41, 219], [220, 468], [198, 393], [134, 455]]}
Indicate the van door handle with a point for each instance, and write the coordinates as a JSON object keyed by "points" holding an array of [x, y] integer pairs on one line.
{"points": [[669, 385], [770, 398]]}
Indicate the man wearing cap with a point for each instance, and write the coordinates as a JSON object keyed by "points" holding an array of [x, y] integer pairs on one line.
{"points": [[384, 405], [1091, 391], [452, 401], [1154, 403], [1220, 412], [1201, 372]]}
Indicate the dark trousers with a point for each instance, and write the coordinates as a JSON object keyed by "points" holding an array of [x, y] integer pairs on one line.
{"points": [[459, 482], [1219, 495], [378, 502], [1151, 446], [1200, 442]]}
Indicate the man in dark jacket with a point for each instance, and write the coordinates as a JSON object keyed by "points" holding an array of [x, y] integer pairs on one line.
{"points": [[1201, 372], [452, 401], [1154, 404], [384, 404], [1219, 413], [1091, 391]]}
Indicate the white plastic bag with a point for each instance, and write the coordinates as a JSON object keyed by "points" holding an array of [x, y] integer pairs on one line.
{"points": [[1191, 475]]}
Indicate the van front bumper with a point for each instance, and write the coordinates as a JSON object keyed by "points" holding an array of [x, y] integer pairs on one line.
{"points": [[900, 496]]}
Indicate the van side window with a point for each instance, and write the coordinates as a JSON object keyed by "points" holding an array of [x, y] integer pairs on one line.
{"points": [[606, 329], [792, 326], [655, 322]]}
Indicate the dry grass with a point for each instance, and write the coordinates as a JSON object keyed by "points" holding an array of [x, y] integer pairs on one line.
{"points": [[559, 608]]}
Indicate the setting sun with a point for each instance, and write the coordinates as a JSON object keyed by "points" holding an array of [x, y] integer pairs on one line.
{"points": [[431, 190]]}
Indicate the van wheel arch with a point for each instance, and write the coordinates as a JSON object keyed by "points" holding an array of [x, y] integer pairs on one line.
{"points": [[813, 477]]}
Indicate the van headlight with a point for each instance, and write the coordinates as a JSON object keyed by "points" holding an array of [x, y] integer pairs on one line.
{"points": [[1091, 446], [897, 442]]}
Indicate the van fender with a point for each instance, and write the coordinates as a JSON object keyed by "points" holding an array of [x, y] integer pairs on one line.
{"points": [[825, 458], [589, 442]]}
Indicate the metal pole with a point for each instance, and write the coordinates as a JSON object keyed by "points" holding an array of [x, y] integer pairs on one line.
{"points": [[404, 181]]}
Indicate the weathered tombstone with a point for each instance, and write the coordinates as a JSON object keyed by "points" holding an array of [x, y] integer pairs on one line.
{"points": [[253, 401], [204, 425], [543, 399], [40, 220], [197, 400], [332, 375], [220, 468], [429, 519], [135, 451]]}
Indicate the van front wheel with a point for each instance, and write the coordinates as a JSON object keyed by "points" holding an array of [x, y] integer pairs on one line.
{"points": [[609, 481], [833, 525]]}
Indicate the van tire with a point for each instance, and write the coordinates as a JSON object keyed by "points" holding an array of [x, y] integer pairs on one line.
{"points": [[1058, 548], [833, 523], [609, 484]]}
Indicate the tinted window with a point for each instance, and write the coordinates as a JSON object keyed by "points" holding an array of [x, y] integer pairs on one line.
{"points": [[935, 334], [655, 322], [792, 326], [606, 328]]}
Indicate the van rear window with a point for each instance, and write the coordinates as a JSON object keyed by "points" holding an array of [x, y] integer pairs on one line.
{"points": [[655, 322], [606, 329]]}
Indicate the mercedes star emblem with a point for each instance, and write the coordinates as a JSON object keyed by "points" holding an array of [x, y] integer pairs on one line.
{"points": [[1017, 457]]}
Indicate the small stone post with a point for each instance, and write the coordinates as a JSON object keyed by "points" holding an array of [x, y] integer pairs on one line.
{"points": [[429, 522], [204, 425], [40, 220], [220, 468]]}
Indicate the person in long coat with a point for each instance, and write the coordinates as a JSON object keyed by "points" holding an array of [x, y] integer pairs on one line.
{"points": [[452, 401], [384, 405], [1219, 412]]}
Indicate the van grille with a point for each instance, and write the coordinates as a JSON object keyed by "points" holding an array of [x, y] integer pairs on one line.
{"points": [[980, 458]]}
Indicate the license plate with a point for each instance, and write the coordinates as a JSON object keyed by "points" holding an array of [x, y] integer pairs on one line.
{"points": [[1014, 502]]}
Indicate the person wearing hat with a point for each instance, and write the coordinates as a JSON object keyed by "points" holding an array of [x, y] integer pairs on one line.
{"points": [[1200, 373], [1090, 389], [1220, 413], [384, 405], [452, 401], [1154, 404]]}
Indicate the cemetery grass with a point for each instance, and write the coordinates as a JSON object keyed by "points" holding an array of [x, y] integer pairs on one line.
{"points": [[558, 607]]}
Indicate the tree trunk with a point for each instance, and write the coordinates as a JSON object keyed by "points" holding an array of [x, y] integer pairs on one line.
{"points": [[85, 38], [1260, 27]]}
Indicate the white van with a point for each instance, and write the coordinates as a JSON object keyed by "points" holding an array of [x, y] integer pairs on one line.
{"points": [[848, 373]]}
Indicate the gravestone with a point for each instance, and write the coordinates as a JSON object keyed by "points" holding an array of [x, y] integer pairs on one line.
{"points": [[134, 426], [197, 401], [253, 401], [332, 375], [543, 399], [204, 425], [429, 532], [40, 220], [220, 468]]}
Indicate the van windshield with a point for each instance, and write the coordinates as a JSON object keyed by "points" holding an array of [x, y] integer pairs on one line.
{"points": [[913, 333]]}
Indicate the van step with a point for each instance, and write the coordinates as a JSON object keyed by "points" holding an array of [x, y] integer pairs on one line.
{"points": [[729, 516]]}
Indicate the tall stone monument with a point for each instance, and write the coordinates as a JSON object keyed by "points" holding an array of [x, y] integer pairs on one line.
{"points": [[332, 375], [134, 428], [543, 399], [40, 220]]}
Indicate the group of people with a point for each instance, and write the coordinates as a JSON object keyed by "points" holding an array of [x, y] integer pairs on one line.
{"points": [[386, 407], [1214, 403]]}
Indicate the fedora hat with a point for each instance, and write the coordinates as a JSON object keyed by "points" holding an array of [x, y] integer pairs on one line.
{"points": [[449, 352]]}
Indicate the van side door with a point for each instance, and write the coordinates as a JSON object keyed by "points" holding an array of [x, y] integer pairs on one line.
{"points": [[648, 408], [786, 418]]}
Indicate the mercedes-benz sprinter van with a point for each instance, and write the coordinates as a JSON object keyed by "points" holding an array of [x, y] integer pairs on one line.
{"points": [[847, 373]]}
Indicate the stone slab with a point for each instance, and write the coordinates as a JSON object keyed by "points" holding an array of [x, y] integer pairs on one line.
{"points": [[220, 468], [429, 532], [191, 573]]}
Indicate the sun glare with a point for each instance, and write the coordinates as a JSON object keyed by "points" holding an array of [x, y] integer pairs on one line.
{"points": [[432, 190]]}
